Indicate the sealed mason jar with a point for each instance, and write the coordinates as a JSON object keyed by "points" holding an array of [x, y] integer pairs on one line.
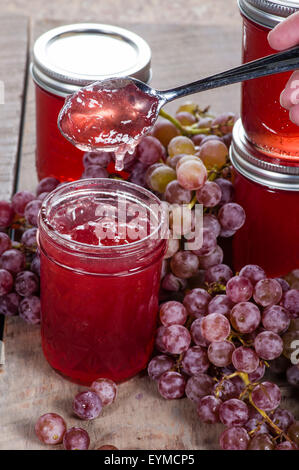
{"points": [[65, 59], [269, 194], [266, 123], [99, 295]]}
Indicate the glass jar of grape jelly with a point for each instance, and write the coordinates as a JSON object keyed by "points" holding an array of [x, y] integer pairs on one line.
{"points": [[65, 59], [100, 275], [269, 194], [266, 123]]}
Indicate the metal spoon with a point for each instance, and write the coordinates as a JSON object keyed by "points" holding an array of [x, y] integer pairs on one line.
{"points": [[270, 65]]}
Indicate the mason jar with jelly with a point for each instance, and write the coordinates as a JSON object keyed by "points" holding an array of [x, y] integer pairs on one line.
{"points": [[101, 244], [266, 122], [269, 194], [65, 59]]}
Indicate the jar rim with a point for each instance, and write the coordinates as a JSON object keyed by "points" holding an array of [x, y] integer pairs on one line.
{"points": [[124, 188], [63, 80], [254, 166], [267, 13]]}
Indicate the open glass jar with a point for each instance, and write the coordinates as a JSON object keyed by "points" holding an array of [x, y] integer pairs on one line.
{"points": [[65, 59], [99, 302], [269, 194], [266, 123]]}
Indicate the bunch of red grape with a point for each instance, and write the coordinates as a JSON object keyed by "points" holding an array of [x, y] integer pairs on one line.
{"points": [[216, 349], [51, 428]]}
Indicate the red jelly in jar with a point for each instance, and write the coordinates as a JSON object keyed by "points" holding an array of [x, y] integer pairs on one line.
{"points": [[64, 60], [266, 123], [269, 194], [102, 242]]}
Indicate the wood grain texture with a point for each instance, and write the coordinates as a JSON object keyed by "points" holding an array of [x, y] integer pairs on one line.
{"points": [[13, 58], [140, 418]]}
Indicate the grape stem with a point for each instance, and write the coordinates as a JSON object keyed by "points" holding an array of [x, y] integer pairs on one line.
{"points": [[185, 130]]}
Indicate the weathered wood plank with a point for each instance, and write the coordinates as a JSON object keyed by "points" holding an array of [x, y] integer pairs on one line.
{"points": [[139, 419], [13, 59]]}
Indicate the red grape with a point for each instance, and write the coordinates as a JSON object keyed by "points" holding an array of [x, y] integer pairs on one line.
{"points": [[173, 313], [6, 282], [253, 272], [233, 412], [6, 214], [5, 242], [276, 318], [208, 409], [158, 365], [266, 396], [267, 292], [196, 302], [171, 385], [195, 361], [29, 309], [245, 359], [87, 405], [239, 289], [245, 317], [234, 438], [220, 353], [215, 327], [50, 428], [47, 185], [13, 261], [76, 439], [268, 345], [20, 200], [176, 339], [199, 386]]}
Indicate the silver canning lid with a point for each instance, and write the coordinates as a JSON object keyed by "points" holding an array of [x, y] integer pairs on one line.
{"points": [[71, 56], [268, 13], [247, 161]]}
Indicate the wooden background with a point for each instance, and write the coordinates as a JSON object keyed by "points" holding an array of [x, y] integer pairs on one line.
{"points": [[140, 418]]}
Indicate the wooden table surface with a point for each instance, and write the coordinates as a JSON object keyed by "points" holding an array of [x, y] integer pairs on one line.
{"points": [[140, 418]]}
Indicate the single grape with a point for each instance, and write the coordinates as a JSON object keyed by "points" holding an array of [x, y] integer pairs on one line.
{"points": [[220, 353], [158, 365], [176, 194], [173, 246], [245, 359], [6, 282], [293, 432], [26, 283], [227, 390], [213, 153], [9, 304], [267, 292], [87, 405], [180, 144], [191, 174], [199, 386], [234, 438], [173, 313], [196, 334], [224, 123], [47, 185], [286, 445], [29, 309], [100, 159], [150, 150], [239, 289], [164, 131], [171, 385], [261, 442], [6, 214], [13, 261], [233, 412], [284, 284], [106, 389], [209, 195], [95, 171], [292, 372], [245, 317], [20, 200], [173, 283], [253, 272], [35, 265], [216, 257], [196, 302], [5, 242], [258, 374], [195, 361], [160, 177], [208, 409], [184, 264], [231, 216], [256, 425], [227, 190], [50, 428], [215, 327], [290, 301], [32, 211], [266, 396], [29, 238], [76, 439], [211, 222], [220, 304], [185, 118], [276, 318], [268, 345], [219, 273], [209, 243], [176, 339], [283, 419]]}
